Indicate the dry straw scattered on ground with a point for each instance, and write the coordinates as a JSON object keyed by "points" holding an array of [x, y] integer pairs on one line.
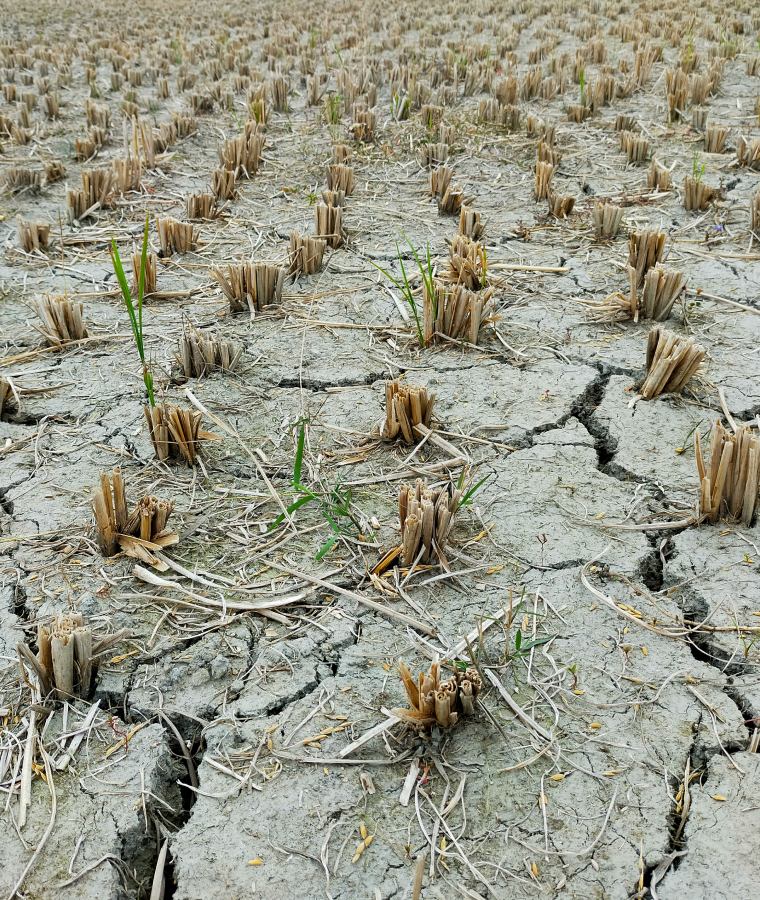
{"points": [[467, 299]]}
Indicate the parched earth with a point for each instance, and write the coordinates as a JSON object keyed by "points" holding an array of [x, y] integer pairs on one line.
{"points": [[239, 739]]}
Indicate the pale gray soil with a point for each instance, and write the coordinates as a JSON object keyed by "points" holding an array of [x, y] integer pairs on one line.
{"points": [[646, 784]]}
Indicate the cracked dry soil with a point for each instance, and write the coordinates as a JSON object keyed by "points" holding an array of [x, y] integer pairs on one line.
{"points": [[213, 765]]}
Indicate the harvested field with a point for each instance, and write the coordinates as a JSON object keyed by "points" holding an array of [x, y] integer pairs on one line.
{"points": [[379, 450]]}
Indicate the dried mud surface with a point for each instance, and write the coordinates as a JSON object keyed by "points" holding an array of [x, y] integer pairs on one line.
{"points": [[212, 767]]}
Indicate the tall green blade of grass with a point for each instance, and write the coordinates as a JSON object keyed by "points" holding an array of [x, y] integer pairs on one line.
{"points": [[141, 277], [426, 274], [472, 489], [136, 313], [325, 548], [298, 461], [331, 506], [406, 293]]}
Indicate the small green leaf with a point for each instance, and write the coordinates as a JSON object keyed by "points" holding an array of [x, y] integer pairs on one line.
{"points": [[298, 462], [387, 274], [326, 548], [291, 508], [470, 493]]}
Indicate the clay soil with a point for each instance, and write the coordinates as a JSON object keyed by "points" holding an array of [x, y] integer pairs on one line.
{"points": [[219, 754]]}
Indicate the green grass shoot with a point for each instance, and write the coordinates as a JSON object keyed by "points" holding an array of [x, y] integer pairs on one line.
{"points": [[333, 105], [697, 168], [425, 269], [471, 490], [136, 312], [333, 506]]}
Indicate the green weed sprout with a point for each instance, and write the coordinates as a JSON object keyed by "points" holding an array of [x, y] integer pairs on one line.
{"points": [[582, 83], [135, 313], [472, 489], [697, 168], [334, 506], [425, 269], [333, 108]]}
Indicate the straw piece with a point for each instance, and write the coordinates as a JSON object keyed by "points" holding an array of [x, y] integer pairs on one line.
{"points": [[696, 194], [6, 396], [607, 219], [543, 180], [97, 192], [251, 285], [127, 174], [635, 147], [661, 289], [363, 126], [62, 320], [223, 184], [138, 532], [450, 197], [305, 254], [645, 249], [328, 222], [457, 313], [436, 702], [729, 488], [748, 152], [671, 362], [426, 516], [199, 353], [467, 262], [175, 237], [243, 154], [405, 407], [340, 177], [658, 177], [560, 206], [469, 223], [432, 155], [33, 236], [201, 207], [64, 661], [151, 266]]}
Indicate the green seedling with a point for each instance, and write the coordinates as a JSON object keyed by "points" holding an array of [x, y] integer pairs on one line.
{"points": [[747, 645], [686, 443], [334, 505], [729, 48], [426, 273], [136, 312], [523, 647], [257, 109], [425, 269], [688, 54], [471, 490], [582, 83], [697, 168], [333, 106]]}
